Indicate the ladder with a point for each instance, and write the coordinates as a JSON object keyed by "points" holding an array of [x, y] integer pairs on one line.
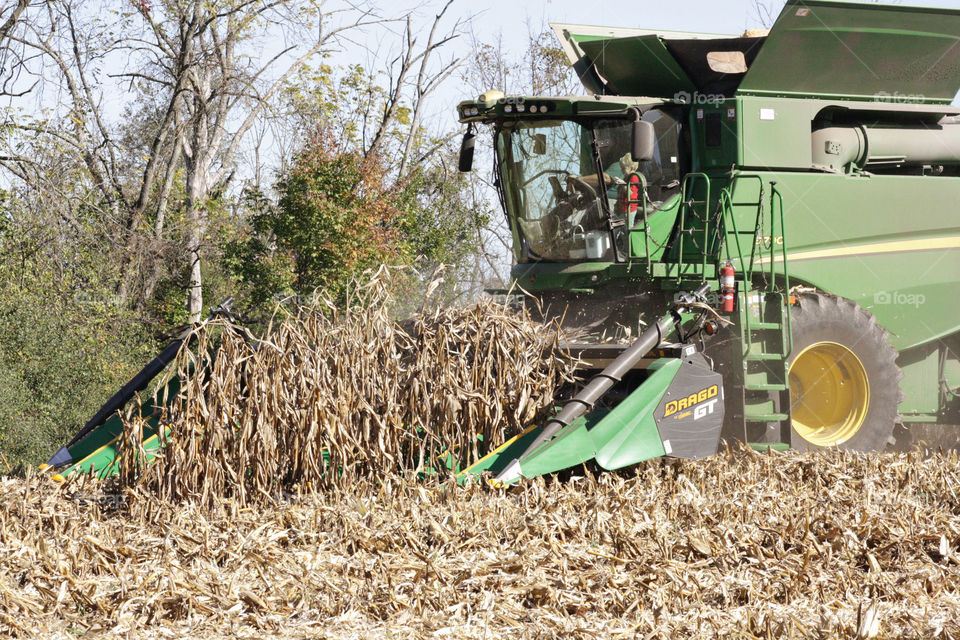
{"points": [[689, 257], [764, 309]]}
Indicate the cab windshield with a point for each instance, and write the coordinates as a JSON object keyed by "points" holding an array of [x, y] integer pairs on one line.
{"points": [[567, 184]]}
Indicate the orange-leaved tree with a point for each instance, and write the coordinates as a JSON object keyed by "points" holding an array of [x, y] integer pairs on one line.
{"points": [[337, 213]]}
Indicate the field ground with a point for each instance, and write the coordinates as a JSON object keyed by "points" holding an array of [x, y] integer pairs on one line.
{"points": [[743, 545]]}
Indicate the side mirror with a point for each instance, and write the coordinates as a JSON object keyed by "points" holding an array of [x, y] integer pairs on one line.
{"points": [[540, 144], [466, 152], [644, 141]]}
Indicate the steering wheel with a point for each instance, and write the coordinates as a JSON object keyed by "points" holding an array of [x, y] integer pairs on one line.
{"points": [[545, 172], [580, 186]]}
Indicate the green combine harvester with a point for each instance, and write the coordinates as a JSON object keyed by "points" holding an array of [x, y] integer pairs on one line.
{"points": [[774, 218]]}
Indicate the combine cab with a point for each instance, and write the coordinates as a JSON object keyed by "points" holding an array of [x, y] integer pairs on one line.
{"points": [[776, 217]]}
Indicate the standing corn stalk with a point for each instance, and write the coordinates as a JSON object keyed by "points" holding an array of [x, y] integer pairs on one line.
{"points": [[330, 396]]}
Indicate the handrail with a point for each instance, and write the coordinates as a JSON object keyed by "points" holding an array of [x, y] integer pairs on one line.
{"points": [[747, 268], [757, 233], [788, 336], [684, 203], [746, 272]]}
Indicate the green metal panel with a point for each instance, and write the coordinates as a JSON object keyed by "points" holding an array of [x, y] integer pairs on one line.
{"points": [[627, 435], [660, 224], [870, 239], [920, 384], [907, 54], [103, 461], [585, 276], [619, 60], [97, 452], [616, 438], [572, 37], [98, 448], [499, 458], [775, 133], [630, 434], [713, 123]]}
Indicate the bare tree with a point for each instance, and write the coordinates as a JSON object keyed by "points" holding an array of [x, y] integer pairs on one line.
{"points": [[766, 13], [219, 92], [62, 48], [15, 12], [214, 66], [11, 57], [415, 61], [540, 69], [381, 107]]}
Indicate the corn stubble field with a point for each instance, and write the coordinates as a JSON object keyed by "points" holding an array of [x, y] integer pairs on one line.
{"points": [[238, 531]]}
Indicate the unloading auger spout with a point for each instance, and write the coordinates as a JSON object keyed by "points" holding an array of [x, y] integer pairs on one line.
{"points": [[601, 383]]}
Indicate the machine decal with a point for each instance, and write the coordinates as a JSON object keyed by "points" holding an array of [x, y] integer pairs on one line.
{"points": [[932, 244], [690, 401], [690, 414]]}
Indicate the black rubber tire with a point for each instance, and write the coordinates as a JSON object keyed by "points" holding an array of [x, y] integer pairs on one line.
{"points": [[824, 318]]}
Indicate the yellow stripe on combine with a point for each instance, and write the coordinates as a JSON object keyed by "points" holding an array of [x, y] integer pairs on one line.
{"points": [[900, 246], [497, 450], [101, 448], [96, 451]]}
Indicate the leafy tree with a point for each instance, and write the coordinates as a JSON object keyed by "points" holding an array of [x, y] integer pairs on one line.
{"points": [[338, 213], [335, 217], [126, 192], [66, 342]]}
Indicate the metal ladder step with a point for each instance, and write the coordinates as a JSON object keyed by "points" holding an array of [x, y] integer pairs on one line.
{"points": [[766, 417], [769, 326], [758, 357], [760, 405], [753, 386]]}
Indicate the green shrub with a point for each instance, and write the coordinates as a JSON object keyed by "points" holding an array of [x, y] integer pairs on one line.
{"points": [[60, 360]]}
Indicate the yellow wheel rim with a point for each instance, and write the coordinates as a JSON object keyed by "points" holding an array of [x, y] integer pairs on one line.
{"points": [[829, 394]]}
